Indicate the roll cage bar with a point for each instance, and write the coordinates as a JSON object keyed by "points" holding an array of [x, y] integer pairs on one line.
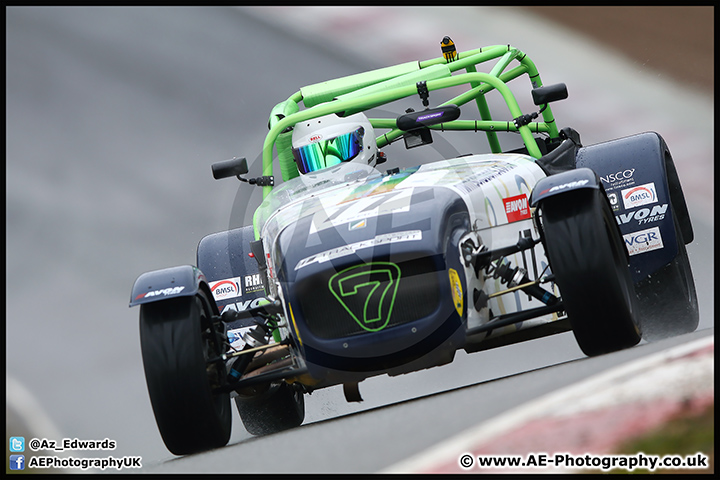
{"points": [[363, 91]]}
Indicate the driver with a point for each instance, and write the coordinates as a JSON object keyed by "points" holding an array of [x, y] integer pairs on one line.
{"points": [[330, 140]]}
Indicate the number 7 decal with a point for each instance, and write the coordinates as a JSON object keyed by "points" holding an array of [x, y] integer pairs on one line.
{"points": [[367, 292]]}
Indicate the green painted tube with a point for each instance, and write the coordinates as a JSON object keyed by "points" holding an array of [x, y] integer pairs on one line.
{"points": [[282, 110], [442, 61], [327, 91], [320, 110], [369, 89], [288, 168], [395, 94], [408, 80], [484, 111], [488, 126], [536, 82]]}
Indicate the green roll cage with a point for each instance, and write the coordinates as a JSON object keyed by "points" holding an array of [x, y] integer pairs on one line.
{"points": [[367, 90]]}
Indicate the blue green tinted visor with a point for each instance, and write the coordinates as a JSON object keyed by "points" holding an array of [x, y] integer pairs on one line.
{"points": [[327, 153]]}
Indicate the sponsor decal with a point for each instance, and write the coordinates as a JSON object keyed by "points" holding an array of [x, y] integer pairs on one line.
{"points": [[623, 177], [643, 215], [575, 184], [486, 174], [268, 262], [643, 241], [243, 305], [350, 249], [429, 116], [358, 224], [381, 186], [367, 292], [315, 138], [164, 292], [516, 208], [253, 283], [614, 202], [225, 289], [235, 337], [639, 195], [456, 289], [367, 201]]}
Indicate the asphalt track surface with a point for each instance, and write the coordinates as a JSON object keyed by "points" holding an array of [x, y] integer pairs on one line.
{"points": [[114, 116]]}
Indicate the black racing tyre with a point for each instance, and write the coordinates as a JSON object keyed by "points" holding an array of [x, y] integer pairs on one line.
{"points": [[175, 342], [589, 260], [667, 300], [279, 408]]}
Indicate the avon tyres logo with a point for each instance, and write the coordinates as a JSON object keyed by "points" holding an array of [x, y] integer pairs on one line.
{"points": [[571, 185], [516, 208], [643, 215], [367, 292], [164, 292]]}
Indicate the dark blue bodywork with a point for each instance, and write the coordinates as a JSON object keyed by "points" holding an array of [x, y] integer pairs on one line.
{"points": [[385, 303], [627, 165]]}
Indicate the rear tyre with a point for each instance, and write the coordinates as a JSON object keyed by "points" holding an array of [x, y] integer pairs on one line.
{"points": [[589, 260], [176, 342], [667, 300], [279, 408]]}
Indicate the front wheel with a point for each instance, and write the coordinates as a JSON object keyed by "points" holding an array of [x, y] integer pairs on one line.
{"points": [[667, 298], [177, 340], [589, 261], [280, 407]]}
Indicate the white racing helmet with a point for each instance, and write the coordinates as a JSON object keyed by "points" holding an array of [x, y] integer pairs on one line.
{"points": [[329, 140]]}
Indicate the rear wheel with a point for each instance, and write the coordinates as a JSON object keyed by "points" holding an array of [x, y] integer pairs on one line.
{"points": [[589, 261], [177, 340], [667, 299], [279, 408]]}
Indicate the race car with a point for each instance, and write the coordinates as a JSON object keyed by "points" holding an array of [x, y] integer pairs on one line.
{"points": [[349, 271]]}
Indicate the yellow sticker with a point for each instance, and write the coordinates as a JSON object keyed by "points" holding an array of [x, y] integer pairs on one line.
{"points": [[456, 289], [292, 317]]}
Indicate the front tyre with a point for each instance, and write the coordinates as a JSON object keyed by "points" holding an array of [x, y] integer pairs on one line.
{"points": [[589, 260], [176, 340], [667, 298], [280, 407]]}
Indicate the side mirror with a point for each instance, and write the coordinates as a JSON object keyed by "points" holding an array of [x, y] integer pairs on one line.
{"points": [[551, 93], [229, 168], [417, 138], [431, 116]]}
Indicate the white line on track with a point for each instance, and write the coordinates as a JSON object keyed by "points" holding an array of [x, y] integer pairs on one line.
{"points": [[666, 374]]}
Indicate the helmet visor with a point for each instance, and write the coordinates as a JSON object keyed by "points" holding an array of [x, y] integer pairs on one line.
{"points": [[327, 153]]}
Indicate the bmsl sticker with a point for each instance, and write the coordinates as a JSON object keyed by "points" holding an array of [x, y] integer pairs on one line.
{"points": [[639, 195], [228, 288]]}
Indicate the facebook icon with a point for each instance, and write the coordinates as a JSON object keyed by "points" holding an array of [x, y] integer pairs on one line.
{"points": [[17, 462]]}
